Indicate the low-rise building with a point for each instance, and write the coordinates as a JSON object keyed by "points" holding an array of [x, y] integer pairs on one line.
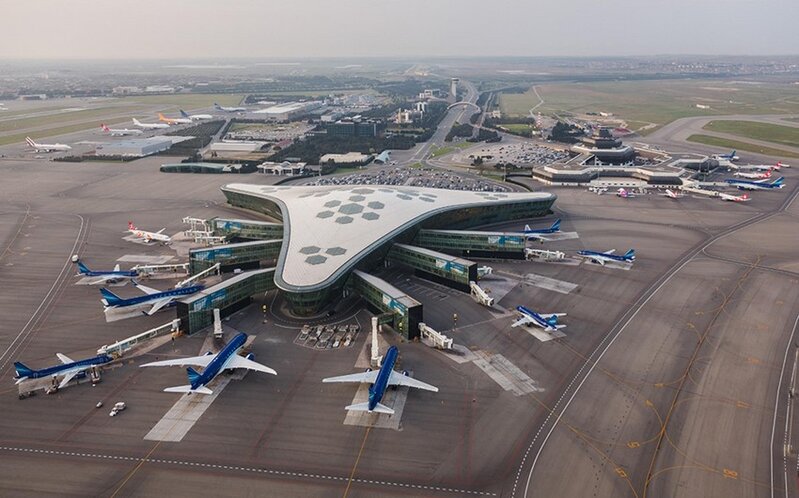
{"points": [[136, 147]]}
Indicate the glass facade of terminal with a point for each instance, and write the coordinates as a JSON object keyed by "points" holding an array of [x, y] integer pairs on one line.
{"points": [[450, 270], [230, 256], [406, 311], [197, 311], [487, 244], [246, 229]]}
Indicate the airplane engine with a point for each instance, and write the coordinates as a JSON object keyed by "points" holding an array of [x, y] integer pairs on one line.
{"points": [[250, 356], [208, 352], [368, 370]]}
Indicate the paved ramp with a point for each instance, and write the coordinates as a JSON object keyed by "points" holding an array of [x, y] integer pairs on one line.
{"points": [[393, 398], [506, 374], [179, 420], [144, 258], [549, 283]]}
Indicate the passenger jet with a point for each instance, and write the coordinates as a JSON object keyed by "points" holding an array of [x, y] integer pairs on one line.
{"points": [[172, 121], [158, 299], [46, 147], [754, 176], [120, 132], [672, 194], [547, 321], [195, 117], [604, 257], [150, 126], [734, 198], [380, 380], [229, 109], [213, 364], [756, 185], [158, 236], [539, 233], [727, 157], [105, 276], [68, 368]]}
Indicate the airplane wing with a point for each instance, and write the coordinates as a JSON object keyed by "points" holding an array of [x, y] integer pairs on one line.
{"points": [[64, 358], [398, 379], [102, 280], [524, 320], [610, 251], [547, 315], [158, 305], [365, 377], [68, 377], [195, 361], [146, 290], [161, 231], [238, 361]]}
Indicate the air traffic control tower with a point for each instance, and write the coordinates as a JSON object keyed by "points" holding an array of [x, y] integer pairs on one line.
{"points": [[329, 232]]}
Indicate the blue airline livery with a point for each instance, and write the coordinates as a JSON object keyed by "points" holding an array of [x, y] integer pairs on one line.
{"points": [[380, 380], [103, 276], [756, 184], [227, 359], [68, 368], [604, 257], [547, 321], [157, 298], [540, 233]]}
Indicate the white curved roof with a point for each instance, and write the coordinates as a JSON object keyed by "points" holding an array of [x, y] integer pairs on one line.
{"points": [[327, 229]]}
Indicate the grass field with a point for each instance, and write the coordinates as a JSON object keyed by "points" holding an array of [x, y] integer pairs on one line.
{"points": [[785, 135], [55, 119], [734, 144], [51, 132], [187, 100], [655, 101], [516, 128], [440, 151]]}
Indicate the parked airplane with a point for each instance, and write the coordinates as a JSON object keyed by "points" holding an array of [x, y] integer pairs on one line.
{"points": [[734, 198], [46, 147], [68, 368], [781, 164], [756, 185], [149, 126], [227, 359], [120, 132], [380, 380], [538, 233], [727, 157], [229, 109], [547, 321], [172, 121], [158, 236], [158, 299], [624, 194], [672, 194], [754, 176], [195, 117], [604, 257], [105, 276]]}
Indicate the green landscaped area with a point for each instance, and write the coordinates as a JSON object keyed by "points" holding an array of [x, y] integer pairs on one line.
{"points": [[66, 117], [516, 128], [52, 132], [785, 135], [654, 101], [440, 151], [734, 144]]}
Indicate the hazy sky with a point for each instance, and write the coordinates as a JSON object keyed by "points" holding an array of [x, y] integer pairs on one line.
{"points": [[86, 29]]}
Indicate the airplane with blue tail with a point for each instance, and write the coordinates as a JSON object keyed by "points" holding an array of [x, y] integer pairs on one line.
{"points": [[547, 321], [105, 276], [540, 233], [604, 257], [756, 184], [158, 299], [728, 157], [380, 380], [213, 364], [195, 117], [68, 368]]}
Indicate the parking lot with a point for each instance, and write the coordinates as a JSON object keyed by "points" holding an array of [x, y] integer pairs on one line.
{"points": [[410, 177]]}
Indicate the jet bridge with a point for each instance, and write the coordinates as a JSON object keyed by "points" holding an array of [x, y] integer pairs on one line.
{"points": [[433, 265], [247, 229], [406, 311], [473, 243], [244, 255]]}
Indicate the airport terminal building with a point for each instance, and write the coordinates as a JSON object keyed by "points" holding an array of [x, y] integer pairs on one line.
{"points": [[333, 235]]}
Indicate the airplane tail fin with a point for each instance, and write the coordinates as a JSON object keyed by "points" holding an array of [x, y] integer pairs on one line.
{"points": [[183, 114], [30, 141], [555, 226], [526, 228], [552, 321], [188, 389], [104, 127], [630, 254], [22, 369], [109, 297], [161, 117], [136, 122], [131, 226], [193, 374], [778, 181], [364, 407], [83, 268]]}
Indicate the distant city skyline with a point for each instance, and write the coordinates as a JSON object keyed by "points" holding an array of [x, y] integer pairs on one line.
{"points": [[205, 29]]}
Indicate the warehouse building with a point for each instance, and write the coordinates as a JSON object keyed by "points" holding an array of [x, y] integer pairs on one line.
{"points": [[135, 147]]}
